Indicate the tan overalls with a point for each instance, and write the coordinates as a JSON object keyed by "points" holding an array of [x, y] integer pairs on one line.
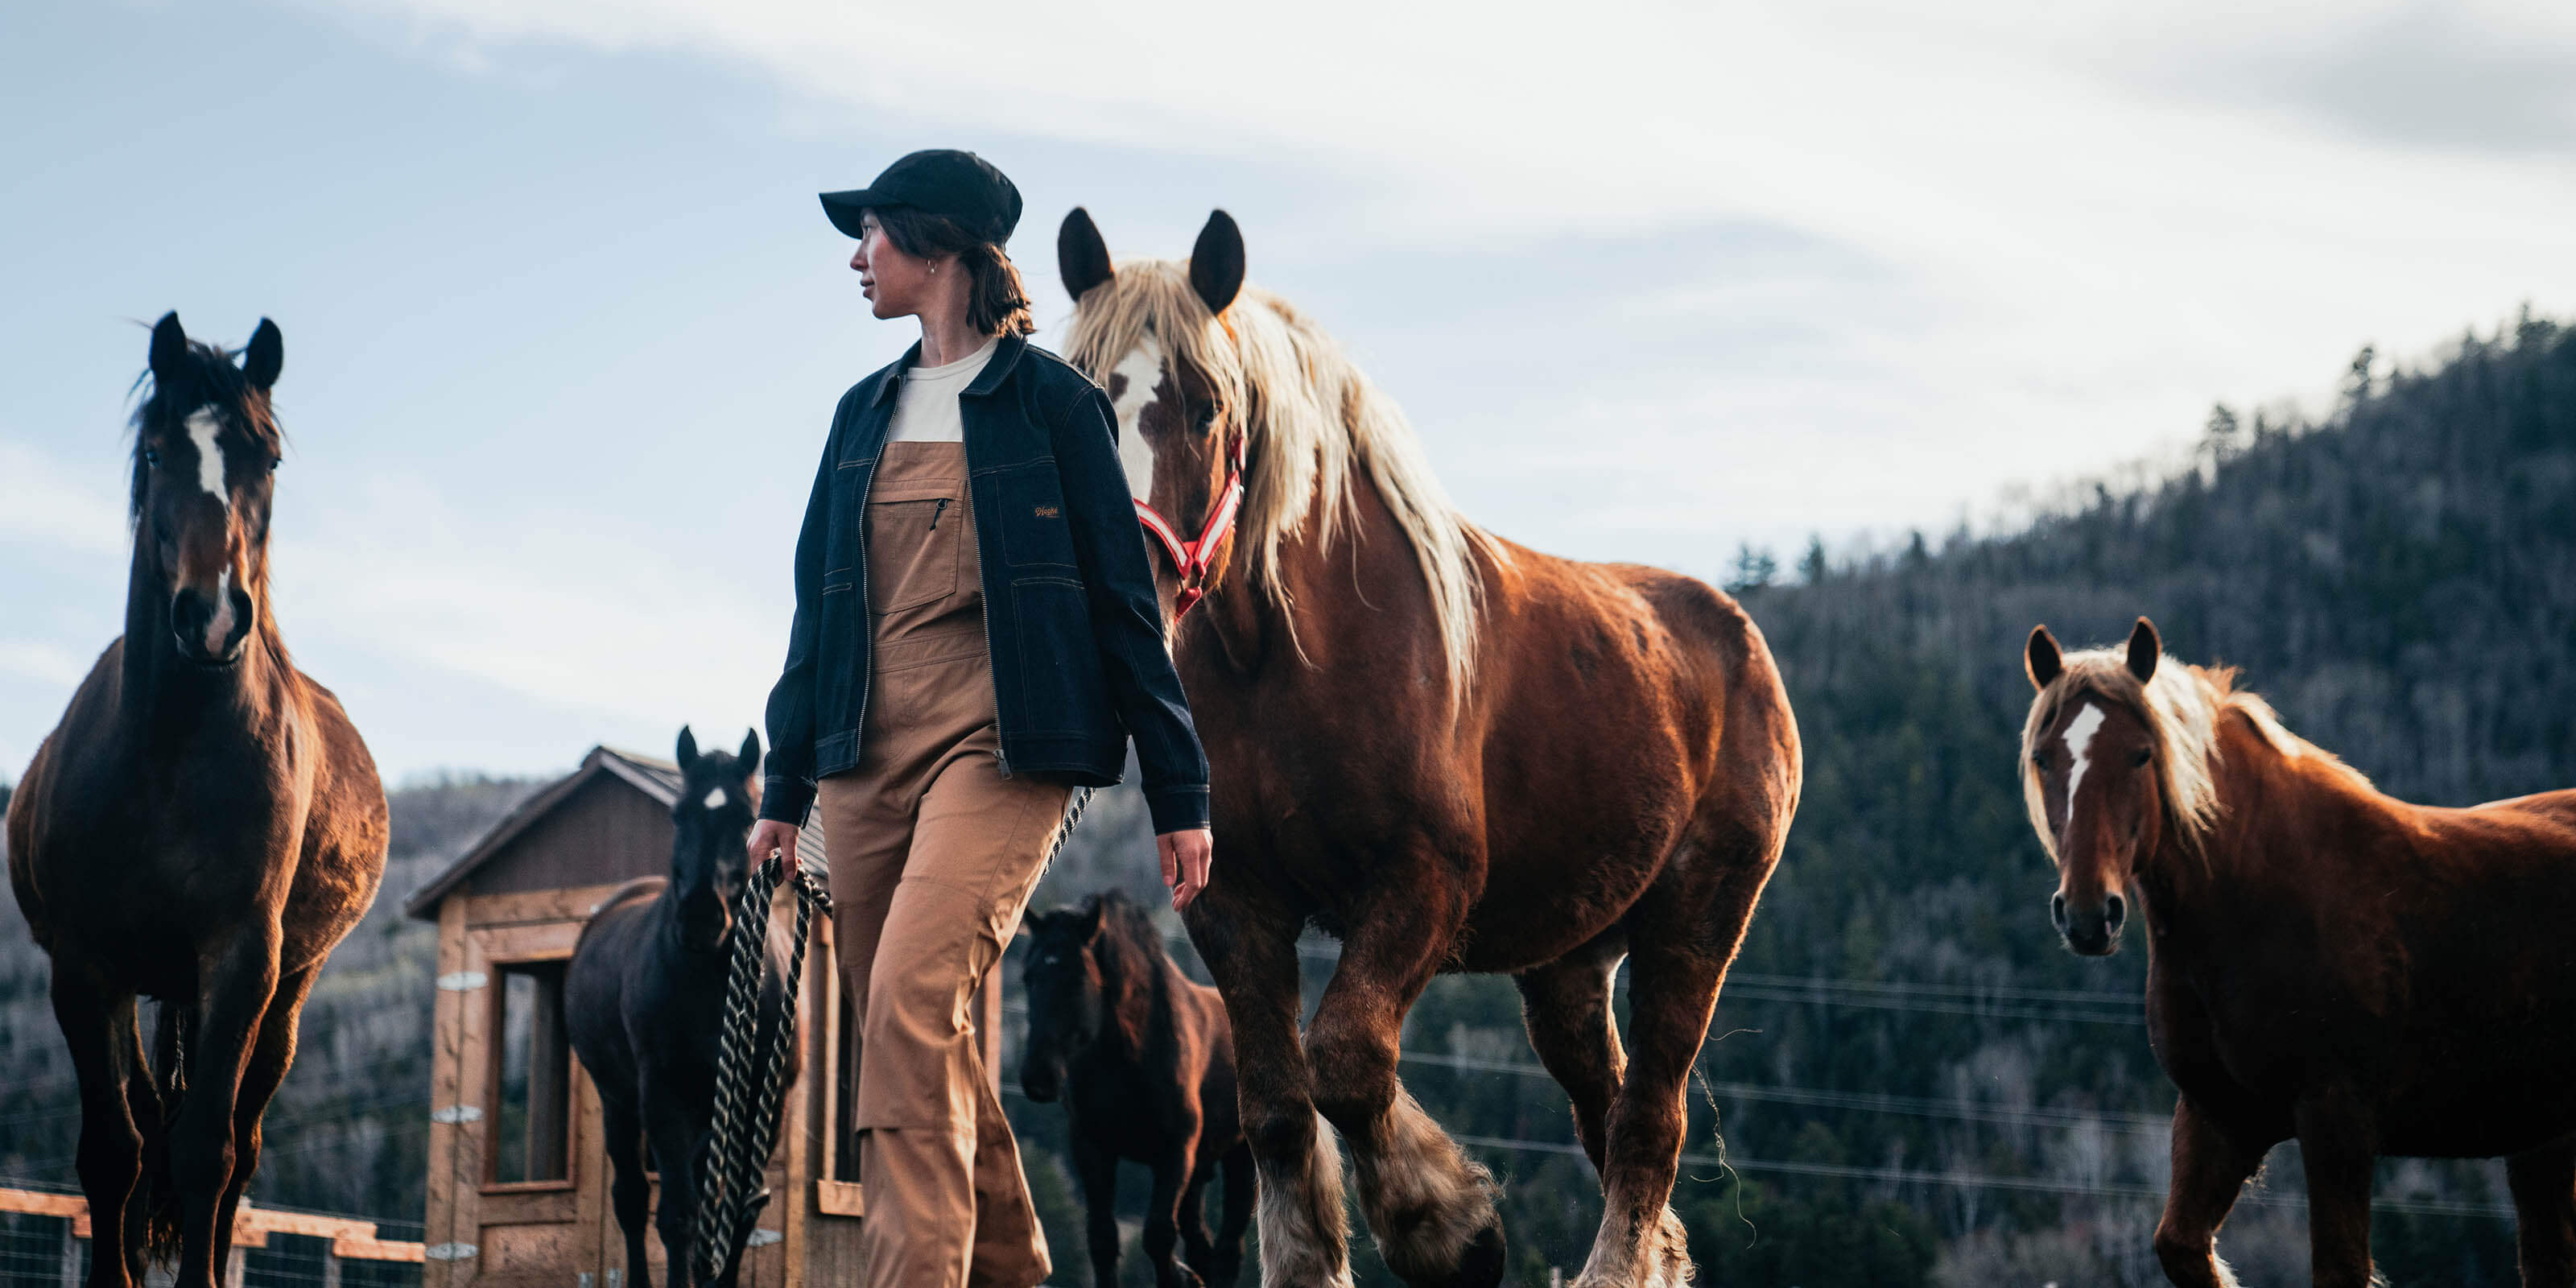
{"points": [[933, 855]]}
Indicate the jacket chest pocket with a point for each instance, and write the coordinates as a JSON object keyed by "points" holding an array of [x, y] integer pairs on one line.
{"points": [[916, 546]]}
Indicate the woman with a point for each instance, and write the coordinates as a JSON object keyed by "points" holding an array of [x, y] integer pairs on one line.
{"points": [[976, 633]]}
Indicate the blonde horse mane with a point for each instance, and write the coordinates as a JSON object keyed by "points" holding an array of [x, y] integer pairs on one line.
{"points": [[2182, 705], [1313, 423]]}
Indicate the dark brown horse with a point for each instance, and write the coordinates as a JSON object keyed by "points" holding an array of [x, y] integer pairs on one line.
{"points": [[644, 997], [2324, 962], [1144, 1062], [1450, 752], [202, 828]]}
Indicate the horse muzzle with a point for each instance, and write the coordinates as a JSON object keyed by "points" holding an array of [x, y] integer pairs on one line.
{"points": [[2090, 932], [210, 628], [1040, 1079]]}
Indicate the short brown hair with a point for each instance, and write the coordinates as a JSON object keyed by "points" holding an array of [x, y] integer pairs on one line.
{"points": [[996, 299]]}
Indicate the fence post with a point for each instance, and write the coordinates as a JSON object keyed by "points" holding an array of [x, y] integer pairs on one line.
{"points": [[71, 1256], [236, 1267], [330, 1268]]}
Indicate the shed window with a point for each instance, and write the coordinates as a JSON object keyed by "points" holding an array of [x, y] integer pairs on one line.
{"points": [[531, 1133]]}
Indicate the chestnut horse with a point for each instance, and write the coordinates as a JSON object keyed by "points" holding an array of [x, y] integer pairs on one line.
{"points": [[1141, 1057], [1451, 753], [2324, 962], [203, 827]]}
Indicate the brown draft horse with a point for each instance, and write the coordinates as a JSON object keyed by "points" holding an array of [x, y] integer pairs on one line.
{"points": [[1451, 753], [203, 827], [2324, 962]]}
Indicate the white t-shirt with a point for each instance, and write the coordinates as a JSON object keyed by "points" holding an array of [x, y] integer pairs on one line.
{"points": [[925, 404]]}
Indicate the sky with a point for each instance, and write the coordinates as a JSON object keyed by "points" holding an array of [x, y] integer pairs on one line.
{"points": [[564, 324]]}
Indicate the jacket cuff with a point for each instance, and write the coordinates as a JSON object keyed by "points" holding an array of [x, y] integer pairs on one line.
{"points": [[1177, 809], [785, 799]]}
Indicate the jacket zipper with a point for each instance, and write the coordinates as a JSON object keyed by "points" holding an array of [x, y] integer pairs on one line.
{"points": [[992, 658], [940, 509]]}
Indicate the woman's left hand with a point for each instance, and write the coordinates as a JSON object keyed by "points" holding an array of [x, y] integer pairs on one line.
{"points": [[1185, 863]]}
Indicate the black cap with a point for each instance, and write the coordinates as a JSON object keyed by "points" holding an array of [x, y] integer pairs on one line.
{"points": [[957, 186]]}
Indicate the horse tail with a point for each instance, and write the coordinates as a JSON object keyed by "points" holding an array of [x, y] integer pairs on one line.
{"points": [[155, 1092]]}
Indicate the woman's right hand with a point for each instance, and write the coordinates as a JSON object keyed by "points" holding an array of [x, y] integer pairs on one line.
{"points": [[769, 834]]}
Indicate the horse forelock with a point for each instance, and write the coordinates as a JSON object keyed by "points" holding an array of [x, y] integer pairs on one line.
{"points": [[2179, 708], [1313, 424], [211, 381]]}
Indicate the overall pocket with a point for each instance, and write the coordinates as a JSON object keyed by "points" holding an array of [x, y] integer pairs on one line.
{"points": [[916, 544]]}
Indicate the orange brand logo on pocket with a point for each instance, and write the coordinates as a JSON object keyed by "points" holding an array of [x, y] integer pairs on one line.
{"points": [[1046, 512]]}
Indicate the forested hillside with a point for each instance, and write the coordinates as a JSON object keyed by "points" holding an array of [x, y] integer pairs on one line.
{"points": [[2399, 578], [1915, 1084]]}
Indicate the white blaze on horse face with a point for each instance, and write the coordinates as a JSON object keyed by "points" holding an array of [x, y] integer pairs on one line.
{"points": [[202, 429], [715, 798], [2079, 737], [1143, 372], [219, 627]]}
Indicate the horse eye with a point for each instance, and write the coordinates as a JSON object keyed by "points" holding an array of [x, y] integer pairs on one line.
{"points": [[2141, 756], [2039, 760], [152, 458], [1207, 416]]}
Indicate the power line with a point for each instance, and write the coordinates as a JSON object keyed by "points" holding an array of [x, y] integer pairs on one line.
{"points": [[1879, 1102]]}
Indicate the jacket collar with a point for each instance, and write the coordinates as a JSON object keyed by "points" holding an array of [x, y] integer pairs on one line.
{"points": [[1006, 355]]}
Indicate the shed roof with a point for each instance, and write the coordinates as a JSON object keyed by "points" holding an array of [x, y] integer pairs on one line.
{"points": [[657, 779]]}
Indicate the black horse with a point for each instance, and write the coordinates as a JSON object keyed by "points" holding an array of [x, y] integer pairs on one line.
{"points": [[1145, 1060], [645, 1000]]}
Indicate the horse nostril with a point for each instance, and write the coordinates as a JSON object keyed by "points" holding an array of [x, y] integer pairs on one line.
{"points": [[2057, 910], [2114, 910]]}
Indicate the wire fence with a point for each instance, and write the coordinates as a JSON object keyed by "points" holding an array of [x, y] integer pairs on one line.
{"points": [[49, 1248]]}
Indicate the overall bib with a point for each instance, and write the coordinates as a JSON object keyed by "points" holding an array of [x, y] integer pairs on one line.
{"points": [[933, 857]]}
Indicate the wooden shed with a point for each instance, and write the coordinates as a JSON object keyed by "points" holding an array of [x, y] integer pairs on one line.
{"points": [[518, 1179]]}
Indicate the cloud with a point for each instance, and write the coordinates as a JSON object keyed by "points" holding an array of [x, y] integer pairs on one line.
{"points": [[45, 505]]}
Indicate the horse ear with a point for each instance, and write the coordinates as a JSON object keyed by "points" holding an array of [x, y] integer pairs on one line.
{"points": [[2144, 648], [1090, 919], [1216, 263], [750, 753], [688, 750], [2044, 660], [1080, 254], [267, 353], [169, 349]]}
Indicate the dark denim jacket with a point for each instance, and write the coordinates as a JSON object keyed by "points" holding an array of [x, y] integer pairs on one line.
{"points": [[1069, 606]]}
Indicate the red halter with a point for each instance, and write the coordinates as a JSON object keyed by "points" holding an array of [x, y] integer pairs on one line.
{"points": [[1191, 559]]}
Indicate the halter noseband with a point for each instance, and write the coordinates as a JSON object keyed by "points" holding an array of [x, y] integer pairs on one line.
{"points": [[1192, 559]]}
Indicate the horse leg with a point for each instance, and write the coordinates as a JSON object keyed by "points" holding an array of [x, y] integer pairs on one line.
{"points": [[1225, 1261], [270, 1058], [629, 1193], [233, 994], [1162, 1213], [2209, 1169], [2336, 1143], [675, 1153], [2544, 1209], [1672, 988], [1192, 1218], [1098, 1170], [1566, 1007], [99, 1027], [1252, 953], [1431, 1208]]}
